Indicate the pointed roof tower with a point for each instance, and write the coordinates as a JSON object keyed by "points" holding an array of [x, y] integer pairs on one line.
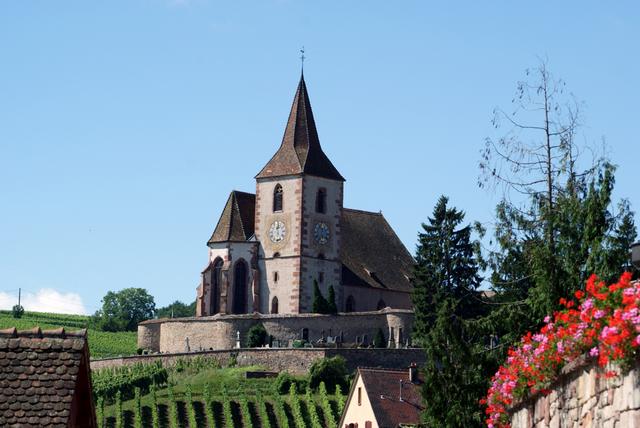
{"points": [[300, 151], [237, 220]]}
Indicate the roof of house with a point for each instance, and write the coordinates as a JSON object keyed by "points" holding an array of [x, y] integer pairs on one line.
{"points": [[237, 220], [372, 254], [44, 379], [383, 389], [300, 151]]}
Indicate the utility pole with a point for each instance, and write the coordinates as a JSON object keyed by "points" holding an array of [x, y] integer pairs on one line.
{"points": [[19, 295]]}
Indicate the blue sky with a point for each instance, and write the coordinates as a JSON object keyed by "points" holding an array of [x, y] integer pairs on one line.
{"points": [[125, 124]]}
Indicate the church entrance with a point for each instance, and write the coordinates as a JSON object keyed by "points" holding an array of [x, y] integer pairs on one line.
{"points": [[240, 288]]}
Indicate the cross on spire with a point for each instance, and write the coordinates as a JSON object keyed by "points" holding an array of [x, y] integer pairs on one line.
{"points": [[302, 58]]}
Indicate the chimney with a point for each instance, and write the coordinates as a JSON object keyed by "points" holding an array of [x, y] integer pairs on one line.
{"points": [[413, 373]]}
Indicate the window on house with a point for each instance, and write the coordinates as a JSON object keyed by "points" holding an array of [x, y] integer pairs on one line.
{"points": [[274, 305], [320, 277], [359, 396], [275, 277], [277, 198], [321, 201]]}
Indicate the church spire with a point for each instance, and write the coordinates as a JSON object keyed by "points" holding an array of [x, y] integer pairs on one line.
{"points": [[300, 151]]}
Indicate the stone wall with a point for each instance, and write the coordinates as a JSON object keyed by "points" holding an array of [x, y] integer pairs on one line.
{"points": [[295, 361], [220, 331], [583, 397]]}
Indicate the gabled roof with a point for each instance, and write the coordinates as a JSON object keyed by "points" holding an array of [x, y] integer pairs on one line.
{"points": [[300, 151], [44, 379], [372, 254], [383, 390], [237, 220]]}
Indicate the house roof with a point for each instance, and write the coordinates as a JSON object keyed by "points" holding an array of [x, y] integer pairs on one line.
{"points": [[300, 151], [383, 389], [372, 254], [236, 222], [44, 379]]}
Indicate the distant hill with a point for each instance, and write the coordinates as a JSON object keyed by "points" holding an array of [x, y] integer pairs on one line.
{"points": [[101, 344]]}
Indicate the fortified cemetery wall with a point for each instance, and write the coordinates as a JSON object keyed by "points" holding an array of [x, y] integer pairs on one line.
{"points": [[583, 397], [219, 332]]}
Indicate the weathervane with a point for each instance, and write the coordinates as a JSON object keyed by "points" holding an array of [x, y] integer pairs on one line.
{"points": [[302, 58]]}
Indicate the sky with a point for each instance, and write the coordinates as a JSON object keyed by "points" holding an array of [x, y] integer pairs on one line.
{"points": [[125, 124]]}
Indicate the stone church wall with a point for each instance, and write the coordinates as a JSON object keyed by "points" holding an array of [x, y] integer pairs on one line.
{"points": [[583, 397], [368, 298], [220, 331]]}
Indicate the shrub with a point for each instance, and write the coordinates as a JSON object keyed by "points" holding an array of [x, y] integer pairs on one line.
{"points": [[257, 336], [331, 371], [17, 311], [285, 380], [378, 340]]}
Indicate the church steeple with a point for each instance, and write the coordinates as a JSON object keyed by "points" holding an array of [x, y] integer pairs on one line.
{"points": [[300, 151]]}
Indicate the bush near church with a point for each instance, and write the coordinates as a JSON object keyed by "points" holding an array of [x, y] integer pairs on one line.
{"points": [[257, 336], [332, 371]]}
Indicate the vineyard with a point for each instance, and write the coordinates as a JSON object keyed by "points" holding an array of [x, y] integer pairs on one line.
{"points": [[101, 344], [202, 394]]}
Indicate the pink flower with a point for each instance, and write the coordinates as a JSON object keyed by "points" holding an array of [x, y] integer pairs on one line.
{"points": [[594, 351], [599, 314], [547, 319]]}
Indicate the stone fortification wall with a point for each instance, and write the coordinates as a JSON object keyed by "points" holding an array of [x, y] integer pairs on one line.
{"points": [[220, 331], [583, 397], [295, 361]]}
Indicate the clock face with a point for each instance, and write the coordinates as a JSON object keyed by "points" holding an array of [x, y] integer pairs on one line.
{"points": [[321, 233], [277, 231]]}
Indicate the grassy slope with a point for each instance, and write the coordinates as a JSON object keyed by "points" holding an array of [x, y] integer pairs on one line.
{"points": [[233, 378], [101, 344]]}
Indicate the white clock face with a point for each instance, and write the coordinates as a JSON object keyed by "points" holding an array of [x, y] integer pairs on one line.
{"points": [[277, 231], [321, 233]]}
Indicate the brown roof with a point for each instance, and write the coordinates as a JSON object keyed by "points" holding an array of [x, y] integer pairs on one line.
{"points": [[372, 254], [44, 379], [300, 151], [237, 220], [383, 389]]}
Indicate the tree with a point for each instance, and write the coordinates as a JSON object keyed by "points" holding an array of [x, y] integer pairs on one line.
{"points": [[332, 371], [331, 301], [123, 310], [447, 303], [257, 336], [177, 309], [554, 223], [320, 304], [378, 340], [17, 311]]}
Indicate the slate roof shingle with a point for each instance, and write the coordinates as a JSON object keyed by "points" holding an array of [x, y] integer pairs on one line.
{"points": [[44, 379], [383, 389], [300, 151], [372, 254], [237, 220]]}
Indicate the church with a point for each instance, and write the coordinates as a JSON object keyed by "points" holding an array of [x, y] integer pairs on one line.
{"points": [[269, 249]]}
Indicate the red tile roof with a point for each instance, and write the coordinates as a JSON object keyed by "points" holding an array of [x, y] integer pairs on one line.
{"points": [[383, 389], [45, 379], [300, 151]]}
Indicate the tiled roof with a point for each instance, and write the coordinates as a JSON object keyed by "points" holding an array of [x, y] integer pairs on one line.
{"points": [[237, 220], [300, 151], [383, 389], [372, 254], [44, 379]]}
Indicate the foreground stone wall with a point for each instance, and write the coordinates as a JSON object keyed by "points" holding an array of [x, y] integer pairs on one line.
{"points": [[295, 361], [219, 332], [583, 397]]}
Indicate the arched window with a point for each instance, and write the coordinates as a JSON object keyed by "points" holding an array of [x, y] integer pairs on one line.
{"points": [[381, 304], [321, 201], [277, 198], [274, 305], [350, 306], [216, 282], [240, 288]]}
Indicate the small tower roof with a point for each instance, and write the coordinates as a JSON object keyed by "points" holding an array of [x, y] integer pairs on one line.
{"points": [[300, 151], [237, 220]]}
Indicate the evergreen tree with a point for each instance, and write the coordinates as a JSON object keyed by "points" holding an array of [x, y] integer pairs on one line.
{"points": [[446, 304], [331, 301], [320, 304]]}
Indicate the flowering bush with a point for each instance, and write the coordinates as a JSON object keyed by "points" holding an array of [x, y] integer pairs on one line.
{"points": [[603, 322]]}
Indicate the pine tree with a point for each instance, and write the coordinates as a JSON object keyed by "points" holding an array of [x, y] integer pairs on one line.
{"points": [[320, 304], [331, 300], [446, 301]]}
